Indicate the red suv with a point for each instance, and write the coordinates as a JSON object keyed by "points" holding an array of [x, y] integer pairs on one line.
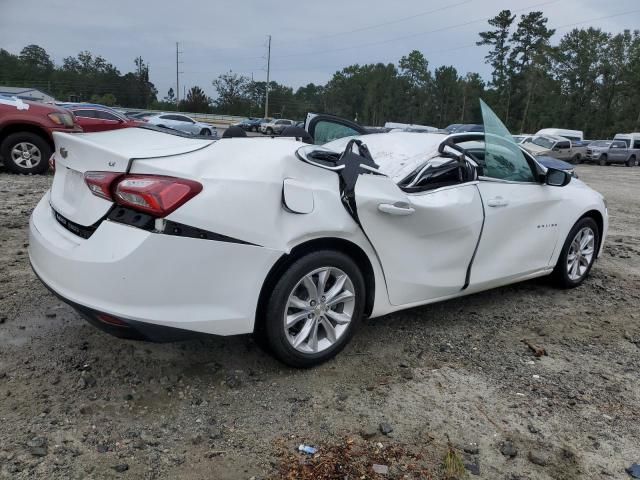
{"points": [[26, 133]]}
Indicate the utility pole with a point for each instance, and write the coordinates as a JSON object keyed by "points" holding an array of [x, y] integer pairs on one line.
{"points": [[178, 72], [266, 102]]}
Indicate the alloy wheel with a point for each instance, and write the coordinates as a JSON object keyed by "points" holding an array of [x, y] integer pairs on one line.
{"points": [[26, 155], [581, 253], [319, 310]]}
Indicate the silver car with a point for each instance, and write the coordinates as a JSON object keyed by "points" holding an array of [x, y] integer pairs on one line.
{"points": [[182, 123], [276, 126]]}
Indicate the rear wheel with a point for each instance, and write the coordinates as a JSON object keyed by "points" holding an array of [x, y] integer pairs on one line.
{"points": [[577, 254], [25, 152], [632, 162], [314, 309]]}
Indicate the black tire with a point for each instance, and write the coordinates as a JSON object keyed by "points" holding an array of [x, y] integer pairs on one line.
{"points": [[560, 274], [274, 327], [255, 129], [205, 132], [603, 160], [269, 131], [632, 162], [13, 140], [576, 159]]}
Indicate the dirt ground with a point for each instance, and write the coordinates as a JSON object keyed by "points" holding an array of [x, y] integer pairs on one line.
{"points": [[77, 403]]}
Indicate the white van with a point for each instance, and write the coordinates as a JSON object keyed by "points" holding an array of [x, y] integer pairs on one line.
{"points": [[573, 135], [631, 139]]}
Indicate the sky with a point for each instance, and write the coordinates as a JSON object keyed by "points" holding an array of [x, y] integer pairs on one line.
{"points": [[311, 40]]}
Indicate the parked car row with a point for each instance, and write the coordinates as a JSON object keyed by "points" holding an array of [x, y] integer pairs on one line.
{"points": [[267, 126]]}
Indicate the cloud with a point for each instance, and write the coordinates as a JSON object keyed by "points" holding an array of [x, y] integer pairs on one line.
{"points": [[311, 40]]}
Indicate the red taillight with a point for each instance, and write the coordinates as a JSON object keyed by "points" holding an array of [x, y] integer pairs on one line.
{"points": [[153, 194], [100, 183], [158, 196]]}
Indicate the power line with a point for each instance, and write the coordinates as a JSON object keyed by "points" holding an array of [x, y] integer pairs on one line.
{"points": [[391, 22], [461, 47], [404, 37]]}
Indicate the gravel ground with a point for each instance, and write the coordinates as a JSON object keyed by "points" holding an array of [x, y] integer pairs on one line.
{"points": [[77, 403]]}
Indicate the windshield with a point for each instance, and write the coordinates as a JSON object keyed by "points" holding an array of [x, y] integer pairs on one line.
{"points": [[600, 143], [543, 142]]}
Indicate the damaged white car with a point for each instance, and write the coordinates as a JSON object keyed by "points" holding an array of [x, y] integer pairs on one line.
{"points": [[153, 235]]}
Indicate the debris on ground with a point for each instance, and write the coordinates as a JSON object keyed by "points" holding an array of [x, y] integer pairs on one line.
{"points": [[308, 449], [380, 469], [355, 458], [537, 351]]}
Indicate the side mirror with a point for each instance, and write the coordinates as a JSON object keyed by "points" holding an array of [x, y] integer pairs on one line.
{"points": [[556, 149], [557, 178]]}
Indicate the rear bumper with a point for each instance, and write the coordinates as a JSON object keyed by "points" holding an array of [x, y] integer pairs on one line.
{"points": [[138, 276]]}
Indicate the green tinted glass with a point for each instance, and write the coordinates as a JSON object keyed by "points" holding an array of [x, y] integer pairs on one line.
{"points": [[503, 158]]}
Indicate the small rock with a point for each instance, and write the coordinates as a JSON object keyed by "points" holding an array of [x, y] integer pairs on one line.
{"points": [[233, 381], [508, 449], [121, 467], [385, 428], [85, 409], [196, 439], [38, 446], [473, 468], [471, 448], [368, 432], [380, 469], [102, 448], [633, 470], [539, 458], [86, 381], [533, 429], [128, 397], [50, 314]]}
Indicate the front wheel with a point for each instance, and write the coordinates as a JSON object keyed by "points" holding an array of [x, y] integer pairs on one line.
{"points": [[603, 161], [205, 132], [578, 254], [269, 131], [577, 158], [314, 309]]}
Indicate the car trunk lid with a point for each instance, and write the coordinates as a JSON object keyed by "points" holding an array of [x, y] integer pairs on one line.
{"points": [[111, 151]]}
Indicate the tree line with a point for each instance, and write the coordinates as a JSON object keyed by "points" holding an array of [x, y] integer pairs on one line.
{"points": [[589, 80]]}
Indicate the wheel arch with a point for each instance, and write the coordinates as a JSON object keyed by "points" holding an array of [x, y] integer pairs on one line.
{"points": [[355, 252], [26, 127], [599, 219]]}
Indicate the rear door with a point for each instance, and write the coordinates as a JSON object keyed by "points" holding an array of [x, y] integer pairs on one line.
{"points": [[618, 151], [425, 240]]}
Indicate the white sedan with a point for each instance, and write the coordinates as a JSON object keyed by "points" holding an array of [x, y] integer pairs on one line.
{"points": [[182, 123], [155, 235]]}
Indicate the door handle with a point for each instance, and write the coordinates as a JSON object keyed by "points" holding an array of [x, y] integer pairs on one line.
{"points": [[398, 208], [498, 202]]}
